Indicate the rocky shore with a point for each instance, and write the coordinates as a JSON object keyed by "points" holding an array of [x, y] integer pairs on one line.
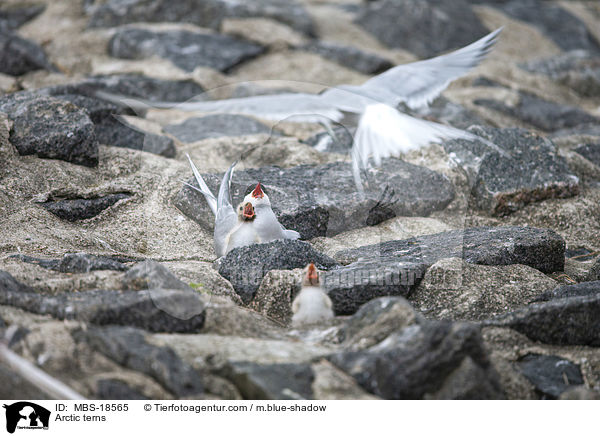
{"points": [[462, 273]]}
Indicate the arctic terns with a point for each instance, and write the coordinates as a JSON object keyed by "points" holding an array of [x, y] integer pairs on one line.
{"points": [[383, 131], [311, 305]]}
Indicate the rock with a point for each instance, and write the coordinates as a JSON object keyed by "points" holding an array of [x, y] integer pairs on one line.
{"points": [[376, 320], [530, 170], [425, 28], [348, 56], [551, 375], [19, 55], [14, 16], [542, 114], [568, 291], [187, 50], [457, 290], [215, 126], [152, 275], [128, 347], [15, 386], [323, 142], [44, 263], [50, 128], [133, 85], [82, 208], [9, 285], [245, 267], [203, 13], [225, 318], [579, 393], [564, 29], [564, 321], [541, 249], [444, 111], [83, 262], [276, 293], [322, 200], [283, 381], [351, 286], [156, 310], [114, 389], [594, 273], [331, 383], [577, 69], [420, 360], [591, 152]]}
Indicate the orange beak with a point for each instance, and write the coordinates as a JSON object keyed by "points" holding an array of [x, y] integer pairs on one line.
{"points": [[248, 211], [312, 274], [258, 192]]}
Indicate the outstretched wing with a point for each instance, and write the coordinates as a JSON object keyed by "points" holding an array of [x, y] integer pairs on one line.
{"points": [[204, 190], [418, 83], [226, 218], [383, 131]]}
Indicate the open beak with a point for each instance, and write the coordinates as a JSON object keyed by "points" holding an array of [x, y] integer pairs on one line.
{"points": [[312, 274], [258, 192], [248, 211]]}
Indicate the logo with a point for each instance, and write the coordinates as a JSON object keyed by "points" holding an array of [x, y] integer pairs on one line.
{"points": [[26, 415]]}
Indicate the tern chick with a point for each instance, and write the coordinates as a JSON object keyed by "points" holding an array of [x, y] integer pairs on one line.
{"points": [[311, 305]]}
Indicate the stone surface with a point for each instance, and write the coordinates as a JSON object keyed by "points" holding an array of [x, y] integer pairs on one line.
{"points": [[284, 381], [245, 267], [594, 273], [591, 152], [551, 375], [455, 289], [565, 30], [530, 169], [351, 286], [567, 291], [82, 208], [542, 114], [541, 249], [425, 28], [577, 69], [156, 310], [322, 141], [214, 126], [152, 275], [276, 293], [50, 128], [83, 262], [351, 57], [128, 347], [13, 16], [19, 55], [322, 200], [185, 49], [419, 360], [114, 389], [564, 321], [204, 13]]}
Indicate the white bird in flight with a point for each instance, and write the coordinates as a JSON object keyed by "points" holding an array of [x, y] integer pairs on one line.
{"points": [[382, 131]]}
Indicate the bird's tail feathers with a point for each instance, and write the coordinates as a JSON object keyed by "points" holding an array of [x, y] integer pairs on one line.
{"points": [[203, 187]]}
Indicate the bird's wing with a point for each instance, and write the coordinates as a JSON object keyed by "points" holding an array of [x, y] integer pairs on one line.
{"points": [[383, 131], [226, 218], [290, 234], [204, 190], [276, 107], [418, 83]]}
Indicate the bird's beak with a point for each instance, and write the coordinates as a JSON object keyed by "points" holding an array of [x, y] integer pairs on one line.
{"points": [[312, 274], [258, 192], [248, 211]]}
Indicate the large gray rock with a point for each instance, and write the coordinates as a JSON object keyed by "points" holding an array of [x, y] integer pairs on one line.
{"points": [[577, 69], [19, 55], [351, 286], [278, 381], [128, 347], [426, 28], [420, 361], [50, 128], [245, 267], [349, 56], [564, 321], [153, 310], [551, 375], [323, 201], [563, 28], [568, 291], [530, 170], [152, 275], [204, 13], [215, 126], [83, 262], [185, 49], [543, 114], [82, 208], [542, 249], [9, 285], [591, 152], [13, 16]]}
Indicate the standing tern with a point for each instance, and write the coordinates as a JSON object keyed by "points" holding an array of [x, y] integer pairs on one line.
{"points": [[383, 131], [312, 304]]}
